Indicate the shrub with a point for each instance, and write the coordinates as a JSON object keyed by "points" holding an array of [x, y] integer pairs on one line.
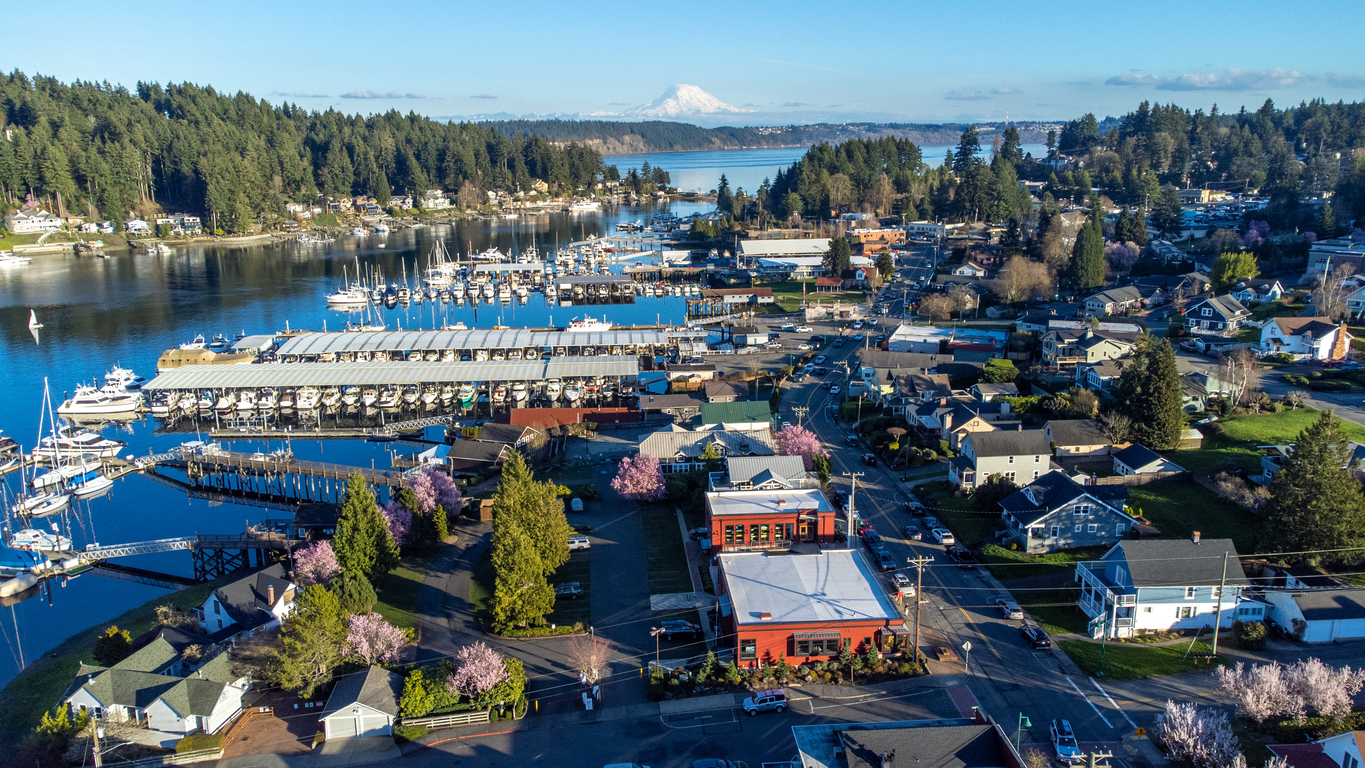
{"points": [[410, 732], [1251, 635]]}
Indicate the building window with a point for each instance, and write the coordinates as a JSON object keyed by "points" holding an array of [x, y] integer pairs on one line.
{"points": [[753, 534], [1078, 527], [1186, 612], [1120, 529], [827, 646], [734, 534], [217, 609], [1011, 461], [1035, 474], [1056, 531], [1206, 312], [1081, 509], [220, 623], [1189, 592], [748, 649], [1092, 528], [1009, 476]]}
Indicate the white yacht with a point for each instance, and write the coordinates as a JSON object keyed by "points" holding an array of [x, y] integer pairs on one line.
{"points": [[553, 388], [588, 325], [519, 391], [369, 397], [124, 379], [246, 401], [348, 297], [381, 228], [89, 401], [8, 259], [196, 343], [306, 399], [72, 441], [34, 540]]}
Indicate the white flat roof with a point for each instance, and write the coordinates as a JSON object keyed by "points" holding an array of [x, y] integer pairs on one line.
{"points": [[759, 502], [257, 375], [803, 247], [835, 585], [793, 261]]}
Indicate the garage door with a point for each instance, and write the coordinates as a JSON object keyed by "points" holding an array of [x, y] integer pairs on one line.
{"points": [[374, 726], [340, 727]]}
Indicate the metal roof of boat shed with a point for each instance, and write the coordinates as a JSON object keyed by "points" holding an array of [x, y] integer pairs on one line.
{"points": [[400, 373], [507, 338]]}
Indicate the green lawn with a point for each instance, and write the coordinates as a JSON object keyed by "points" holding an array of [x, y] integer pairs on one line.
{"points": [[579, 569], [40, 685], [398, 594], [664, 553], [1005, 564], [788, 294], [1133, 662], [1054, 609], [955, 513], [481, 588], [1274, 309], [1236, 448], [1178, 507]]}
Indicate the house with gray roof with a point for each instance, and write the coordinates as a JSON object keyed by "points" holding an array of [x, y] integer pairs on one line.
{"points": [[1066, 346], [1077, 438], [1257, 291], [1101, 376], [174, 684], [1164, 584], [763, 473], [363, 704], [1020, 455], [1055, 512], [1216, 314], [259, 599], [1323, 615], [969, 742], [1114, 301], [1141, 460], [680, 450]]}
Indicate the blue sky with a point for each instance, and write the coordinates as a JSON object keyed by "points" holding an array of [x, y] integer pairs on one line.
{"points": [[795, 61]]}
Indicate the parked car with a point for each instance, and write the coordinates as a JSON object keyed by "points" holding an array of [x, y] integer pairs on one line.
{"points": [[577, 543], [912, 533], [771, 700], [901, 581], [804, 347], [834, 390], [851, 440], [870, 459], [803, 329], [962, 556], [885, 561], [570, 590], [840, 498], [1035, 636], [677, 629], [1008, 608], [1064, 742], [872, 539], [943, 536], [576, 505]]}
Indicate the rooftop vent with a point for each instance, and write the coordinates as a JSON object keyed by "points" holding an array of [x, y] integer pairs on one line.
{"points": [[765, 616], [1195, 537]]}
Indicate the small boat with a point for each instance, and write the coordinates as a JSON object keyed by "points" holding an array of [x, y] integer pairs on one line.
{"points": [[287, 400], [34, 540], [246, 401], [466, 395], [33, 323], [369, 397], [553, 389], [89, 401], [124, 379], [350, 395], [267, 400], [306, 399], [388, 399], [89, 485], [519, 391], [499, 394], [572, 393], [330, 397]]}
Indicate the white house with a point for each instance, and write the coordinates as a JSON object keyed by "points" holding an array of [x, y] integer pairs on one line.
{"points": [[136, 227], [1114, 301], [970, 269], [1344, 750], [1164, 584], [1257, 291], [1217, 314], [160, 688], [363, 704], [1317, 338], [1324, 615], [261, 599], [435, 199], [28, 222]]}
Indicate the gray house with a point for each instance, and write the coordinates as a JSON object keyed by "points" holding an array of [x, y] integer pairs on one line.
{"points": [[1055, 512], [1164, 584]]}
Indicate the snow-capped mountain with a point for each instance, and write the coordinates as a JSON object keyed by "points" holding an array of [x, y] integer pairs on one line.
{"points": [[683, 100]]}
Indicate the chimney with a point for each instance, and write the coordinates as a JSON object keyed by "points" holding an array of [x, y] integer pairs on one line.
{"points": [[765, 616], [1195, 537], [270, 595], [781, 503]]}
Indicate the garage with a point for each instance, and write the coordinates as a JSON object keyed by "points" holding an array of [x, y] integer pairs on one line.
{"points": [[1324, 615], [363, 704]]}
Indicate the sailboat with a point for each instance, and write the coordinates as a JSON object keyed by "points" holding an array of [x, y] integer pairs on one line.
{"points": [[33, 323]]}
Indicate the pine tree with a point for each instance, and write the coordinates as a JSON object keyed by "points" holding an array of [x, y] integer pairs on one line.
{"points": [[724, 200], [354, 593], [537, 509], [839, 257], [1327, 221], [1315, 501], [521, 596], [362, 542], [1149, 393], [312, 642], [1087, 257], [440, 523]]}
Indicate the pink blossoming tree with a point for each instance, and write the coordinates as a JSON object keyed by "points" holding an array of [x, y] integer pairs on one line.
{"points": [[478, 669], [398, 519], [433, 488], [793, 440], [639, 478], [373, 640], [316, 564]]}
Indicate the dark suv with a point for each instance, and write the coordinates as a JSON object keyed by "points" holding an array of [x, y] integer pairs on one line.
{"points": [[680, 630]]}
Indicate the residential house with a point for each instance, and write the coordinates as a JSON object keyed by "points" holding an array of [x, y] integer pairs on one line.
{"points": [[746, 414], [1257, 291], [1315, 338], [28, 222], [1344, 750], [1114, 301], [725, 392], [951, 419], [1020, 455], [136, 227], [263, 598], [363, 704], [516, 436], [1033, 322], [680, 450], [1164, 584], [698, 372], [1355, 303], [1055, 512], [967, 742], [1100, 376], [1218, 314], [1187, 284], [969, 269], [314, 521], [804, 607], [462, 457], [737, 296], [769, 518], [435, 200], [1323, 615], [763, 473], [1077, 438], [1198, 387], [683, 408], [1072, 347], [159, 688], [986, 391], [1141, 460], [1166, 251]]}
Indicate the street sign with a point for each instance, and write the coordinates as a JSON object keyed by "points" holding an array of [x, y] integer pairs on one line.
{"points": [[967, 646], [1140, 732]]}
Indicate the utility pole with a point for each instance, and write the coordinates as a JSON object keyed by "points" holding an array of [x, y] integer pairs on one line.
{"points": [[852, 494], [1218, 612], [95, 738], [918, 564], [800, 412]]}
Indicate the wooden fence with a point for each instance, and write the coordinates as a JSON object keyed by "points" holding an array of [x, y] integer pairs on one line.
{"points": [[473, 717], [176, 758]]}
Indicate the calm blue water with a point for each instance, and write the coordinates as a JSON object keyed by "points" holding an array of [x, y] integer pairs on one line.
{"points": [[129, 308]]}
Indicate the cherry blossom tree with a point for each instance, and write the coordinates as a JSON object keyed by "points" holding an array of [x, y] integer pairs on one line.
{"points": [[1329, 691], [798, 441], [1200, 737], [372, 640], [478, 669], [639, 478], [433, 488], [316, 564], [1122, 256], [398, 520], [1260, 691]]}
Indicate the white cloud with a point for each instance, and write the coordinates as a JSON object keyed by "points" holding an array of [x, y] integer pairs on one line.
{"points": [[483, 96], [290, 95], [966, 96], [1005, 91], [1346, 81], [364, 94], [1230, 79], [796, 104]]}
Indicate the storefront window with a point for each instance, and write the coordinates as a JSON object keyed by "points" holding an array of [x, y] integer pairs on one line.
{"points": [[748, 649], [763, 533]]}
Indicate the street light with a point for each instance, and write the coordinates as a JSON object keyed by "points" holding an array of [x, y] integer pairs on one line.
{"points": [[656, 631], [1023, 723]]}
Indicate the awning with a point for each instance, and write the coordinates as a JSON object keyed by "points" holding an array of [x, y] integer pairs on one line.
{"points": [[828, 635]]}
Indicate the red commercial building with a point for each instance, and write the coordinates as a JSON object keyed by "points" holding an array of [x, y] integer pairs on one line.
{"points": [[803, 607], [746, 520]]}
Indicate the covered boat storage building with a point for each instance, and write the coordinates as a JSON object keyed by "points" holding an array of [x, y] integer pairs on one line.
{"points": [[512, 343]]}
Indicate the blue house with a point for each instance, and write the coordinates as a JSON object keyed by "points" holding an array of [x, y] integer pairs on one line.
{"points": [[1164, 584]]}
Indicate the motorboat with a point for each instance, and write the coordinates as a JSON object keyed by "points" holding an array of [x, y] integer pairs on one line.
{"points": [[306, 399], [388, 399], [89, 401], [220, 344], [330, 397], [89, 484], [572, 393], [410, 394], [381, 228], [447, 394], [56, 476], [553, 389], [466, 395], [499, 394], [71, 441], [358, 232], [224, 403], [8, 259], [519, 391], [34, 540], [369, 397], [287, 400], [197, 342], [267, 400], [350, 395], [161, 406], [124, 379], [588, 325], [246, 401], [188, 402]]}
